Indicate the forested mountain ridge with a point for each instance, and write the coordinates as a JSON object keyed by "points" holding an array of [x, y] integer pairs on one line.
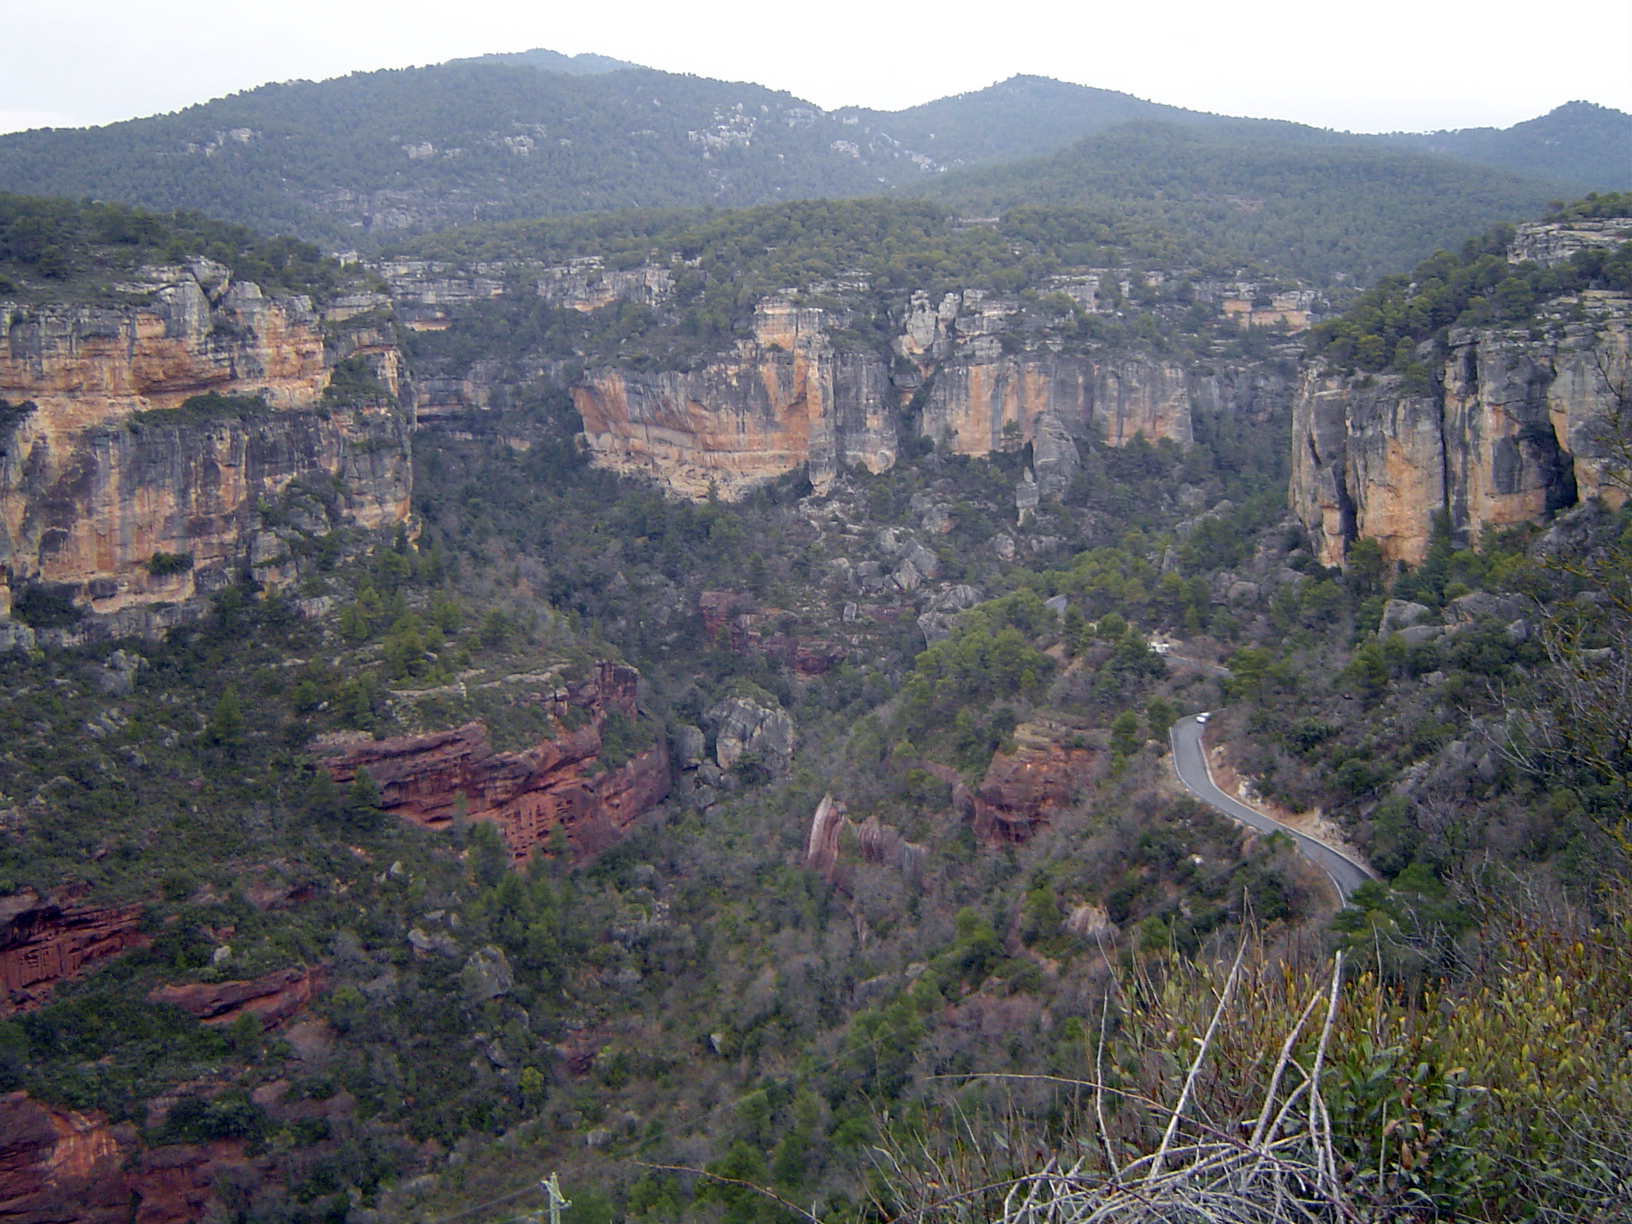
{"points": [[1321, 204], [585, 63], [1579, 142], [361, 160]]}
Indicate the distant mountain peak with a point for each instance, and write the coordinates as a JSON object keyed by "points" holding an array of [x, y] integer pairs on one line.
{"points": [[585, 63]]}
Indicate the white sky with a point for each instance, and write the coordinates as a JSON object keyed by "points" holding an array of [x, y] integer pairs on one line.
{"points": [[1376, 65]]}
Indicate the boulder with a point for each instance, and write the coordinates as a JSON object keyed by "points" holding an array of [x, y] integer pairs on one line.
{"points": [[942, 609], [690, 745], [742, 726], [1027, 496], [1401, 614], [1416, 634], [1468, 608], [487, 975]]}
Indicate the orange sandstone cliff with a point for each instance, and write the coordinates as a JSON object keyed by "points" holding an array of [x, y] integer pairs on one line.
{"points": [[804, 391], [101, 467], [1509, 434]]}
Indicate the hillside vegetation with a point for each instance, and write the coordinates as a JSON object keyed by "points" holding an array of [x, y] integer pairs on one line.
{"points": [[1025, 963], [1323, 205], [366, 159]]}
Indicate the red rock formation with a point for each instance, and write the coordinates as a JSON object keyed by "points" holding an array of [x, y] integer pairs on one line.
{"points": [[275, 997], [1023, 789], [807, 658], [58, 1165], [44, 941], [528, 794]]}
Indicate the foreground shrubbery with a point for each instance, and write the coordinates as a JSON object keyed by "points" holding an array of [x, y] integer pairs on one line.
{"points": [[1282, 1089]]}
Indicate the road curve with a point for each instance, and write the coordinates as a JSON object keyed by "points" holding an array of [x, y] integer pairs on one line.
{"points": [[1190, 760]]}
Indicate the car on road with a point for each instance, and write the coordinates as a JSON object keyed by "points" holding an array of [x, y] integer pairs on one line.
{"points": [[1203, 717]]}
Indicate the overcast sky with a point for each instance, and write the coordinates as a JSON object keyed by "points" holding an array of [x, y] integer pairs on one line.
{"points": [[1377, 65]]}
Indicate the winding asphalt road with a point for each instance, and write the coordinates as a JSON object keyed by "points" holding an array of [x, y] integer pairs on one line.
{"points": [[1190, 759]]}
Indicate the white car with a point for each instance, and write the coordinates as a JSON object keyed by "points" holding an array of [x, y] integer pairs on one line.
{"points": [[1201, 718]]}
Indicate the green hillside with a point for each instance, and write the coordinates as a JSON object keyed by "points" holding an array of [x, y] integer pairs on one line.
{"points": [[375, 155], [1324, 205], [365, 160], [586, 63], [1581, 143]]}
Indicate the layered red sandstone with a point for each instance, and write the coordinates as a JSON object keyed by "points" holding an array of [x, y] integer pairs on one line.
{"points": [[558, 783], [43, 942]]}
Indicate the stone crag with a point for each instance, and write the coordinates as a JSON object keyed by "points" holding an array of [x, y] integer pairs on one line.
{"points": [[1024, 788], [797, 395], [558, 783], [117, 497], [1508, 434], [44, 941], [273, 997], [787, 398]]}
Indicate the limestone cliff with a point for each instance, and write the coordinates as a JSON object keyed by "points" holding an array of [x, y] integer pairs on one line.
{"points": [[114, 495], [787, 397], [1507, 433], [796, 395]]}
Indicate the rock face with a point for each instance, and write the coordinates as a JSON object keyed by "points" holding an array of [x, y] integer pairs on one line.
{"points": [[101, 469], [743, 727], [822, 846], [786, 398], [1509, 434], [557, 783], [43, 941], [60, 1165], [798, 395], [1023, 789], [274, 997]]}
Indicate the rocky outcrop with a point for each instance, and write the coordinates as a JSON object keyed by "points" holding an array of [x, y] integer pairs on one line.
{"points": [[1554, 242], [559, 783], [745, 728], [63, 1165], [114, 495], [1023, 789], [426, 293], [587, 284], [787, 398], [274, 997], [822, 846], [879, 844], [799, 395], [1510, 432], [59, 1165], [44, 941]]}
